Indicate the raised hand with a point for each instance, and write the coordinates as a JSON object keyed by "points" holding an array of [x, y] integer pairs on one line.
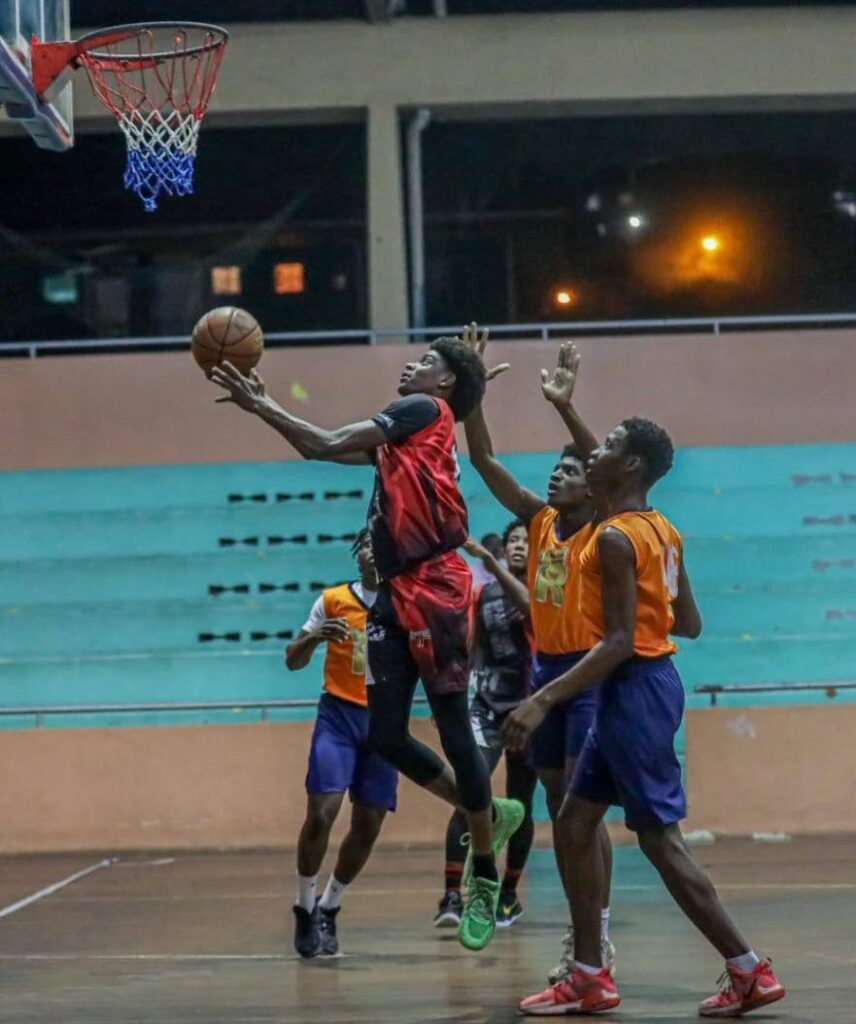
{"points": [[477, 341], [559, 388], [243, 391], [472, 547]]}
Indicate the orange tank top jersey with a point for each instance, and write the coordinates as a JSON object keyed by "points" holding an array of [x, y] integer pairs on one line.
{"points": [[554, 586], [658, 547], [345, 663]]}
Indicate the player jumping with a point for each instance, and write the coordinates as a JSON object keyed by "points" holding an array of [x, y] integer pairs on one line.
{"points": [[420, 623]]}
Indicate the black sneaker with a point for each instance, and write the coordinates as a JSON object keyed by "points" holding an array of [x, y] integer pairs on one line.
{"points": [[327, 928], [307, 936], [509, 910], [450, 910]]}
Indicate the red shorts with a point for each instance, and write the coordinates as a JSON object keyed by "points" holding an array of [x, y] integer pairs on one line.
{"points": [[422, 623]]}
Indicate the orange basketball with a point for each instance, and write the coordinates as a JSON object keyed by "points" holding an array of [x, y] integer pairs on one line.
{"points": [[227, 334]]}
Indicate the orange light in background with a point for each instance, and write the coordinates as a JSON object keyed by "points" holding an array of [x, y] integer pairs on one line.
{"points": [[225, 280], [711, 243], [288, 278], [565, 297]]}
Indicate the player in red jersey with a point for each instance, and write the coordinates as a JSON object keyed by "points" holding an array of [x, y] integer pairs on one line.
{"points": [[420, 624]]}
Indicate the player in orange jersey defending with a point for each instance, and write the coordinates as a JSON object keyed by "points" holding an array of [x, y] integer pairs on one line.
{"points": [[635, 593], [339, 758]]}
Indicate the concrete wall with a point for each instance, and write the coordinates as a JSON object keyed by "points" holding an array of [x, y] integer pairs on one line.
{"points": [[201, 787], [771, 769], [116, 410]]}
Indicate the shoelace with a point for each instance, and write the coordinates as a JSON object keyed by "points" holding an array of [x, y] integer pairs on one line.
{"points": [[480, 899], [726, 985]]}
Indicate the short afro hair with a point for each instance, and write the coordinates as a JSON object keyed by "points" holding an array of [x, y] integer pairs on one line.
{"points": [[515, 524], [359, 540], [653, 446], [469, 374], [570, 451]]}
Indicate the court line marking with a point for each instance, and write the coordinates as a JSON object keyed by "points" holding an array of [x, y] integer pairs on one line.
{"points": [[371, 893], [13, 908]]}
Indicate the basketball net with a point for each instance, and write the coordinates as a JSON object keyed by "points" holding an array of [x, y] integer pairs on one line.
{"points": [[157, 80]]}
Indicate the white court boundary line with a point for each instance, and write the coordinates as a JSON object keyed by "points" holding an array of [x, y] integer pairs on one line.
{"points": [[13, 908]]}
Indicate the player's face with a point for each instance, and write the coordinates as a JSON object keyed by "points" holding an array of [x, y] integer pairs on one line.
{"points": [[517, 549], [607, 463], [429, 376], [567, 487], [366, 562]]}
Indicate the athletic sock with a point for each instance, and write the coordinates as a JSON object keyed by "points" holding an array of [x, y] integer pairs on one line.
{"points": [[453, 876], [587, 968], [744, 963], [484, 866], [604, 925], [332, 894], [510, 879], [306, 891]]}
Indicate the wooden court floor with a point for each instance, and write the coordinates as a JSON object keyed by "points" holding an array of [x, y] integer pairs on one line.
{"points": [[206, 939]]}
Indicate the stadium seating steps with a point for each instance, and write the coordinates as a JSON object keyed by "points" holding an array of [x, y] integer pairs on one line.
{"points": [[182, 583]]}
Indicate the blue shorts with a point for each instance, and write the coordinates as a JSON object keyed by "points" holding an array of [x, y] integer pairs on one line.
{"points": [[340, 759], [561, 735], [629, 756]]}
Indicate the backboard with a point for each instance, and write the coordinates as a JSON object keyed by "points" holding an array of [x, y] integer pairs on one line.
{"points": [[50, 122]]}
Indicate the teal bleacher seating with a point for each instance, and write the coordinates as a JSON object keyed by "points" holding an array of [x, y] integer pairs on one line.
{"points": [[181, 583]]}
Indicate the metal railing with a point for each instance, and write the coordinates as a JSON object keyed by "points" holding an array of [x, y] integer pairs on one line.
{"points": [[40, 712], [372, 336], [715, 690]]}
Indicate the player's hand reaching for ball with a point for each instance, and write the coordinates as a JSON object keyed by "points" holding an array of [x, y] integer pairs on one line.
{"points": [[520, 723], [559, 388], [245, 392], [477, 340], [334, 630]]}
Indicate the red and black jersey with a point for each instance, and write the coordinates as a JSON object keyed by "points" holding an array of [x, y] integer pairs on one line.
{"points": [[417, 511]]}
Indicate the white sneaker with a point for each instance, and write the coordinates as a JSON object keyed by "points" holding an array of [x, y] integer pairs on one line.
{"points": [[563, 968]]}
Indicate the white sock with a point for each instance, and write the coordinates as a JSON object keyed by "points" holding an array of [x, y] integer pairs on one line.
{"points": [[306, 892], [587, 968], [604, 925], [744, 963], [332, 894]]}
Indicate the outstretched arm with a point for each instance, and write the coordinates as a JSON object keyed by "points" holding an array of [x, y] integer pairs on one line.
{"points": [[558, 389], [618, 584], [350, 444], [687, 615], [519, 501], [515, 590]]}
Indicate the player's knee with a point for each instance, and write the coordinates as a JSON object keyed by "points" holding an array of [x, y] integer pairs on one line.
{"points": [[320, 818], [366, 827], [660, 844]]}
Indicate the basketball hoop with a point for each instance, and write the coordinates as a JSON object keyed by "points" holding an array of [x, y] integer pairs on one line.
{"points": [[157, 80]]}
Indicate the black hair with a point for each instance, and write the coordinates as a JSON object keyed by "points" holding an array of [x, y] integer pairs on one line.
{"points": [[653, 446], [360, 539], [469, 374], [515, 524], [570, 451]]}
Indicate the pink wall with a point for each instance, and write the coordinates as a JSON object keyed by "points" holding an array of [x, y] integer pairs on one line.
{"points": [[114, 410]]}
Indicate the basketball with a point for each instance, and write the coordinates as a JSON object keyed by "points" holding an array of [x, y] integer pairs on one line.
{"points": [[227, 334]]}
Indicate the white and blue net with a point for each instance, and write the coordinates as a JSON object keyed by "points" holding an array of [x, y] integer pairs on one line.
{"points": [[157, 80]]}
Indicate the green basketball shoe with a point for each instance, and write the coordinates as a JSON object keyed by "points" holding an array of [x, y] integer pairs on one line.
{"points": [[478, 921], [509, 818]]}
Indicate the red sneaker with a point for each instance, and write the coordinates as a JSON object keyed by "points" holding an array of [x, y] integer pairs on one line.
{"points": [[742, 991], [578, 993]]}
